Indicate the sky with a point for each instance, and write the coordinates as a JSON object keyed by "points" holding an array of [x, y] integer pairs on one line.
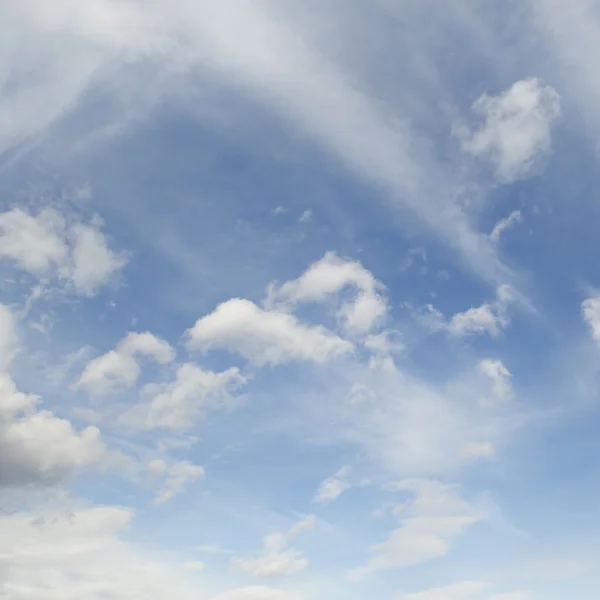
{"points": [[299, 300]]}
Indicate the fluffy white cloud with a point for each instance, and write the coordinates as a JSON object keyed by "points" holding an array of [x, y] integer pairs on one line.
{"points": [[329, 277], [590, 309], [455, 591], [432, 520], [264, 337], [73, 552], [176, 476], [500, 377], [36, 446], [277, 560], [46, 246], [175, 405], [516, 127], [119, 368]]}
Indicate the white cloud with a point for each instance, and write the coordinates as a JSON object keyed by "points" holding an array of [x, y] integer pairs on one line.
{"points": [[455, 591], [327, 278], [433, 519], [46, 246], [500, 377], [264, 337], [175, 405], [332, 487], [516, 129], [277, 560], [590, 309], [119, 368], [72, 552], [516, 595], [176, 476], [93, 262], [257, 593], [490, 317], [477, 451], [503, 225]]}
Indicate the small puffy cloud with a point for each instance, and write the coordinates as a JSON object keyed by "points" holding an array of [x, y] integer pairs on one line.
{"points": [[503, 225], [500, 378], [516, 128], [119, 368], [432, 519], [490, 317], [175, 405], [46, 246], [477, 451], [332, 487], [264, 337], [328, 278], [176, 477], [590, 310], [277, 560], [456, 591]]}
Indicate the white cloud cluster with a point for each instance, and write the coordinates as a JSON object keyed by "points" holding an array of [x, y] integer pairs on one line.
{"points": [[176, 476], [119, 368], [277, 560], [431, 520], [489, 318], [175, 405], [36, 447], [516, 129], [505, 224], [325, 280], [500, 377], [264, 337], [46, 246]]}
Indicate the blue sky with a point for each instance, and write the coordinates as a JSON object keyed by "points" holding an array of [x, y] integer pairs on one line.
{"points": [[299, 301]]}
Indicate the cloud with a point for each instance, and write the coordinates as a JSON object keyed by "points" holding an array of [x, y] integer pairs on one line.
{"points": [[277, 560], [69, 552], [119, 368], [455, 591], [590, 310], [516, 129], [264, 337], [324, 280], [432, 519], [257, 593], [176, 476], [175, 405], [36, 447], [500, 377], [505, 224], [332, 487], [46, 246]]}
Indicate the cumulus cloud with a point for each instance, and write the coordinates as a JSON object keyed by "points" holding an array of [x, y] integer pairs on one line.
{"points": [[46, 246], [430, 522], [264, 337], [516, 128], [255, 592], [325, 280], [36, 447], [120, 368], [277, 560], [175, 405]]}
